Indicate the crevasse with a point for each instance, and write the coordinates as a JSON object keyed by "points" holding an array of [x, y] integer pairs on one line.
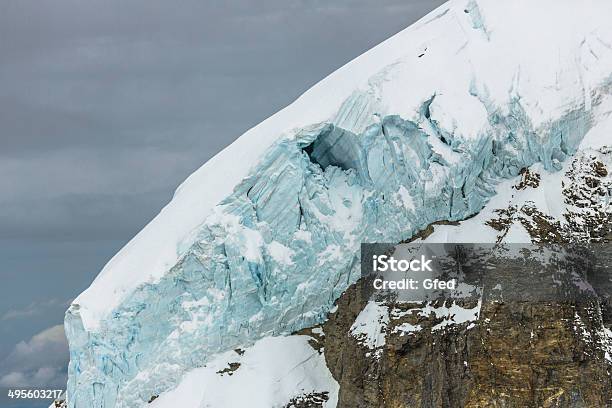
{"points": [[278, 251]]}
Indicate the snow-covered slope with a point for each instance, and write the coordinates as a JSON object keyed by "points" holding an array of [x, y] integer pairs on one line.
{"points": [[264, 237], [468, 54], [272, 372]]}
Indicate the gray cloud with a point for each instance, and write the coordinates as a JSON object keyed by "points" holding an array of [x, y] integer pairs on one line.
{"points": [[38, 362], [34, 308], [86, 194]]}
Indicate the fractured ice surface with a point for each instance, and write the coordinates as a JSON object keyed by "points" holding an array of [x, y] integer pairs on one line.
{"points": [[264, 238]]}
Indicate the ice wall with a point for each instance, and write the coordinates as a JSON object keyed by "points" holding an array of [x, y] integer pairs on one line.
{"points": [[276, 253]]}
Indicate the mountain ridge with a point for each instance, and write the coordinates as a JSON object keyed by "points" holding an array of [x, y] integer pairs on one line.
{"points": [[264, 237]]}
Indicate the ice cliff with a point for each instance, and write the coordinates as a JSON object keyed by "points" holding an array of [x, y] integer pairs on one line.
{"points": [[265, 237]]}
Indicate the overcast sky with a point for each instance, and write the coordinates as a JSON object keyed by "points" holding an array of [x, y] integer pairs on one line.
{"points": [[107, 105]]}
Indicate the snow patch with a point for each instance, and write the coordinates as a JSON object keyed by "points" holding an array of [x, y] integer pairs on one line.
{"points": [[270, 373], [370, 327], [280, 253]]}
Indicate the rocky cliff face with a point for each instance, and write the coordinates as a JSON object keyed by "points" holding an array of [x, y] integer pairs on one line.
{"points": [[518, 354], [529, 336]]}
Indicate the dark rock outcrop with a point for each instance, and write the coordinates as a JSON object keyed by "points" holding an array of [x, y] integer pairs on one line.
{"points": [[544, 348]]}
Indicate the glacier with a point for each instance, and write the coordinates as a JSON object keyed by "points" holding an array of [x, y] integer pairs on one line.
{"points": [[265, 237]]}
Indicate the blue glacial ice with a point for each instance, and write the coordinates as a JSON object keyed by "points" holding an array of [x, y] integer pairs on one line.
{"points": [[279, 251]]}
